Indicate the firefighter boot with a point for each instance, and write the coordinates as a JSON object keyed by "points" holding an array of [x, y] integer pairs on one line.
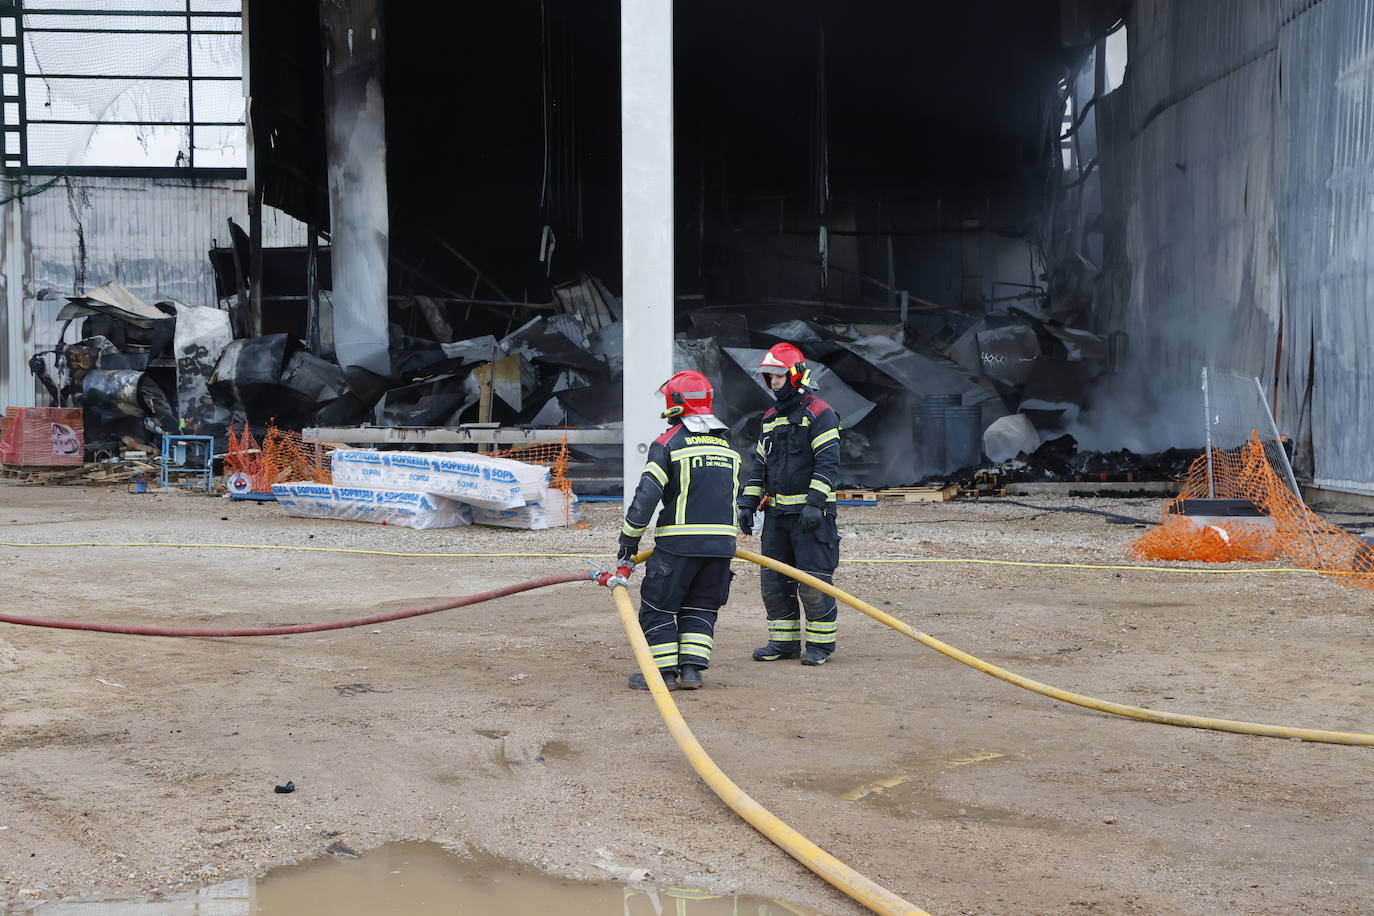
{"points": [[637, 681], [814, 656], [690, 678], [774, 651]]}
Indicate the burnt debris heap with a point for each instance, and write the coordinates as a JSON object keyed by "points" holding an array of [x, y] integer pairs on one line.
{"points": [[884, 185]]}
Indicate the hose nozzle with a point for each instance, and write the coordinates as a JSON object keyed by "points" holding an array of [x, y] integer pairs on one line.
{"points": [[620, 577]]}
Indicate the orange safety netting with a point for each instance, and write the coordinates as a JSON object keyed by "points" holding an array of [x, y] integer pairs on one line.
{"points": [[554, 456], [283, 456], [1289, 527]]}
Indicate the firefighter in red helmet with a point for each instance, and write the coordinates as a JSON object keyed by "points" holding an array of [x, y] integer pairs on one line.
{"points": [[795, 465], [693, 472]]}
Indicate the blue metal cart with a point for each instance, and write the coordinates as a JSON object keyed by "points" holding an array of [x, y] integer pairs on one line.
{"points": [[188, 461]]}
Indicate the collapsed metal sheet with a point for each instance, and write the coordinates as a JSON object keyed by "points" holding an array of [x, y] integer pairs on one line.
{"points": [[588, 298], [912, 371], [248, 375], [599, 405], [609, 344], [547, 341], [1080, 345], [113, 301], [964, 349], [817, 342], [700, 355], [569, 379], [430, 410], [472, 351], [730, 329], [415, 359], [1007, 355], [129, 393], [309, 382], [798, 333], [736, 399], [201, 336], [571, 327], [848, 403]]}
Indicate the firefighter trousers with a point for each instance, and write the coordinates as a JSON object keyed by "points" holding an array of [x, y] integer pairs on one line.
{"points": [[679, 599], [816, 552]]}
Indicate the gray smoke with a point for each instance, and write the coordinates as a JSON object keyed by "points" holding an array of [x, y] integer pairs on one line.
{"points": [[1138, 411]]}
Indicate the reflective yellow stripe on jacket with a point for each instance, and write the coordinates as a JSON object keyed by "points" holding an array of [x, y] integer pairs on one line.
{"points": [[670, 530]]}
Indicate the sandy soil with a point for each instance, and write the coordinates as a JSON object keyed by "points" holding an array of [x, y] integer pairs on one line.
{"points": [[133, 765]]}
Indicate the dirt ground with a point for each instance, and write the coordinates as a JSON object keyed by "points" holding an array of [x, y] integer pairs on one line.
{"points": [[134, 765]]}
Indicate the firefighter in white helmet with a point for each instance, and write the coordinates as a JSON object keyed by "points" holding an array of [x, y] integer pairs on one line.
{"points": [[794, 467]]}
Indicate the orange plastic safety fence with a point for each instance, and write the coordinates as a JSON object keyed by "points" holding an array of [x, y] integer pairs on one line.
{"points": [[243, 456], [1290, 528], [554, 456], [282, 456]]}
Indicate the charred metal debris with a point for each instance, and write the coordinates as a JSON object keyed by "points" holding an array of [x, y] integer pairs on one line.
{"points": [[936, 398]]}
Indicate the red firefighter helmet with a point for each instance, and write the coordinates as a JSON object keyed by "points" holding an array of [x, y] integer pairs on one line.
{"points": [[686, 394], [785, 359]]}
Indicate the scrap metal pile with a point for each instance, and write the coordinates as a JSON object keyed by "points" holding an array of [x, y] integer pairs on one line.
{"points": [[141, 371], [937, 396]]}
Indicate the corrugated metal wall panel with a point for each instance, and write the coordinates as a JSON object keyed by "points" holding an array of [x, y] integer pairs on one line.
{"points": [[1189, 162], [152, 235], [1328, 243], [1238, 211]]}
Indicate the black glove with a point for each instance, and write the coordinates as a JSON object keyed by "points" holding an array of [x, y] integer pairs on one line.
{"points": [[811, 517], [745, 520], [628, 548]]}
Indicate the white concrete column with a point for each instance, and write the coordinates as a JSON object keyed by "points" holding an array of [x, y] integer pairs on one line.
{"points": [[17, 385], [646, 163]]}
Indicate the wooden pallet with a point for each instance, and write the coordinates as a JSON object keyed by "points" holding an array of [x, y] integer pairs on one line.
{"points": [[918, 494], [24, 472], [992, 492], [79, 475], [868, 496]]}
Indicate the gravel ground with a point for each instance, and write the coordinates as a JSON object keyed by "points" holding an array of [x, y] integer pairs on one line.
{"points": [[131, 765]]}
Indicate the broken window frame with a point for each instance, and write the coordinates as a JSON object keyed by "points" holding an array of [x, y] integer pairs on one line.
{"points": [[16, 20]]}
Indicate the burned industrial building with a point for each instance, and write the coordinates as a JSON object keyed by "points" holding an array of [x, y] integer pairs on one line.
{"points": [[847, 179], [966, 215], [363, 362]]}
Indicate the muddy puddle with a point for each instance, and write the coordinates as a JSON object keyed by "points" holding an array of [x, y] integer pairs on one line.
{"points": [[405, 878], [912, 790]]}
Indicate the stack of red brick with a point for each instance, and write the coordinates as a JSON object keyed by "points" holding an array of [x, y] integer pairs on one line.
{"points": [[42, 437]]}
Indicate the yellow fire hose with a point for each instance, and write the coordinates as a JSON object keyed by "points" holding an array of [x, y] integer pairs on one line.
{"points": [[1054, 693], [874, 896], [841, 876]]}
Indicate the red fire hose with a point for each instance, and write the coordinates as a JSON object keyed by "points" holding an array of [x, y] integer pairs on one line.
{"points": [[527, 585]]}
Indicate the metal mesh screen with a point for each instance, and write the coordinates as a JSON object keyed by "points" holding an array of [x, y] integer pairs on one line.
{"points": [[1236, 412], [128, 83]]}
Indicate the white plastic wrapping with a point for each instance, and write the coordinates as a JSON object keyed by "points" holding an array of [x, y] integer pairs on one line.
{"points": [[490, 483], [404, 508], [554, 510]]}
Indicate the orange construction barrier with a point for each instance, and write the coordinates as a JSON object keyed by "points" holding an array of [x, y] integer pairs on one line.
{"points": [[1303, 536], [554, 456], [282, 456]]}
